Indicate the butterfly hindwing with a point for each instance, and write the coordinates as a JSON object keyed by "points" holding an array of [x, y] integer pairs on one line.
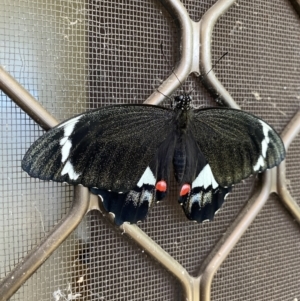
{"points": [[200, 195], [133, 205]]}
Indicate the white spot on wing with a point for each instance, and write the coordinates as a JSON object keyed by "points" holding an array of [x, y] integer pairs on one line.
{"points": [[65, 142], [265, 142], [69, 124], [264, 147], [260, 163], [65, 150], [205, 179], [147, 178], [133, 197], [147, 196], [195, 198], [69, 169], [202, 198]]}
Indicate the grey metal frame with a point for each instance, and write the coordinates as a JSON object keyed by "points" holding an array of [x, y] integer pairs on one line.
{"points": [[196, 58]]}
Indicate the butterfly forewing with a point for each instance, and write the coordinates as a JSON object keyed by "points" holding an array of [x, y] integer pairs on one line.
{"points": [[235, 143], [108, 148]]}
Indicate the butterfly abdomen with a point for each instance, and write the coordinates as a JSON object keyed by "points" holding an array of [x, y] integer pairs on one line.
{"points": [[179, 161], [183, 118]]}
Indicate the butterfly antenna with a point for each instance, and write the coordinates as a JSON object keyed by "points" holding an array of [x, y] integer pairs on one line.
{"points": [[164, 95], [216, 63]]}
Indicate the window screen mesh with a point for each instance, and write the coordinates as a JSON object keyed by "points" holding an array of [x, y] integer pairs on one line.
{"points": [[77, 55]]}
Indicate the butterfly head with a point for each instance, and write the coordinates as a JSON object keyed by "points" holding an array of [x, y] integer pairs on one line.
{"points": [[183, 102]]}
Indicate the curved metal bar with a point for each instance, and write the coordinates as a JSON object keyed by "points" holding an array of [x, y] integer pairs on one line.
{"points": [[191, 32], [291, 130], [153, 249], [61, 231], [25, 100], [284, 195], [288, 136], [190, 284], [233, 235], [182, 71], [47, 246], [209, 78]]}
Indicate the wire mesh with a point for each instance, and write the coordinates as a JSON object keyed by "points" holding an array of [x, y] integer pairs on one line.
{"points": [[263, 265], [260, 70], [74, 56]]}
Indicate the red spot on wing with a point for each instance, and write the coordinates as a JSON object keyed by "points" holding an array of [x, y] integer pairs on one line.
{"points": [[161, 186], [185, 189]]}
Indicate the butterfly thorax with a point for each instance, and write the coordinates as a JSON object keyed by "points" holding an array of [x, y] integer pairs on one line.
{"points": [[183, 110], [183, 102]]}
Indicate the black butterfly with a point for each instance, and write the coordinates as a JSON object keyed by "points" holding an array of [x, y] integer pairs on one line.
{"points": [[124, 153]]}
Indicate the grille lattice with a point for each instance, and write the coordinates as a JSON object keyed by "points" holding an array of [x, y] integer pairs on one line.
{"points": [[73, 56]]}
